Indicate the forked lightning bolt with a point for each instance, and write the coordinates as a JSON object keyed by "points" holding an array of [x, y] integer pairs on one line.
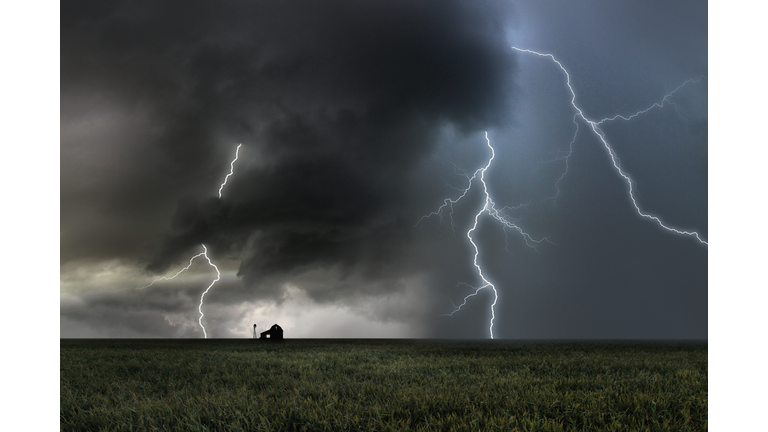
{"points": [[488, 207], [595, 126], [202, 296], [180, 271], [204, 254]]}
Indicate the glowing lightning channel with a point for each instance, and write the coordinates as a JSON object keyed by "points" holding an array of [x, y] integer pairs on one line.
{"points": [[200, 308], [174, 276], [489, 207], [205, 254], [594, 125], [565, 158], [231, 169]]}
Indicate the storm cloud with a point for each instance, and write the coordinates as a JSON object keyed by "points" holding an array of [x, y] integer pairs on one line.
{"points": [[356, 119]]}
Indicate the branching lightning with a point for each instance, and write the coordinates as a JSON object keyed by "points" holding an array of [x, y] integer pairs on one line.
{"points": [[489, 206], [174, 276], [204, 254], [202, 296], [564, 158], [594, 125]]}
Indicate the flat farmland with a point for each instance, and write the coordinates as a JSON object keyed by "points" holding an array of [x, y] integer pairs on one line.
{"points": [[381, 385]]}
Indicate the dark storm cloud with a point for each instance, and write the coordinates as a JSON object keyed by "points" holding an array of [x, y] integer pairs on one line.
{"points": [[337, 97], [357, 118], [129, 314]]}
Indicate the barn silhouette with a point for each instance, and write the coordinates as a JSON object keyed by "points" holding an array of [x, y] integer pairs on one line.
{"points": [[274, 333]]}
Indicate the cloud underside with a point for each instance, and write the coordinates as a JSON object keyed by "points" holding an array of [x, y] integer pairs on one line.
{"points": [[356, 118]]}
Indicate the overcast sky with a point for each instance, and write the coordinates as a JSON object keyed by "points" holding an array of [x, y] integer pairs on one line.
{"points": [[358, 118]]}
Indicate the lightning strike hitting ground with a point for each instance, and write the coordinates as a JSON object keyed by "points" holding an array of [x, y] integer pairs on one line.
{"points": [[205, 254], [594, 125], [489, 207], [202, 296]]}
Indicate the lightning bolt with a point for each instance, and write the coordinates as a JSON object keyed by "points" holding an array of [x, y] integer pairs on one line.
{"points": [[563, 158], [595, 126], [231, 169], [204, 254], [489, 207], [180, 271], [202, 296]]}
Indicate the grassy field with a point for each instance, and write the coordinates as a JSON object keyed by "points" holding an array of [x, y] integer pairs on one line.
{"points": [[381, 385]]}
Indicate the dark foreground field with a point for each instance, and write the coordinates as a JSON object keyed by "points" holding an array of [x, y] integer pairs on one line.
{"points": [[381, 385]]}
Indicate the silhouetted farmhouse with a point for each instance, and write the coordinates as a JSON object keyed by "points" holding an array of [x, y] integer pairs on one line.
{"points": [[274, 333]]}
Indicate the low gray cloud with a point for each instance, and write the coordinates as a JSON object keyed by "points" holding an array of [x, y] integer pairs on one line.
{"points": [[356, 119]]}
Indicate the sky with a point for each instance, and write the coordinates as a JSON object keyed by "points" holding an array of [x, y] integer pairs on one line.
{"points": [[357, 120]]}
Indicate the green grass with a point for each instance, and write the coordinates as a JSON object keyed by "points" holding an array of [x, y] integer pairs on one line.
{"points": [[381, 385]]}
